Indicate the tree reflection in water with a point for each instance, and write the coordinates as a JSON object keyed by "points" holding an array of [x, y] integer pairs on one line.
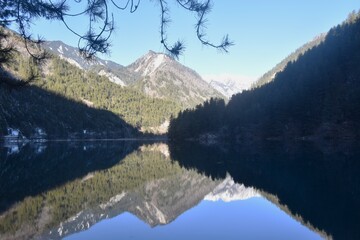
{"points": [[319, 184], [64, 188]]}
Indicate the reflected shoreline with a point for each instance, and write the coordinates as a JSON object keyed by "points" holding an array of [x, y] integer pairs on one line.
{"points": [[165, 180]]}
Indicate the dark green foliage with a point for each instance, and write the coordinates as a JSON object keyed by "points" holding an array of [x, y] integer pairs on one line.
{"points": [[112, 167], [68, 100], [205, 118], [31, 107], [269, 76], [136, 108], [317, 95]]}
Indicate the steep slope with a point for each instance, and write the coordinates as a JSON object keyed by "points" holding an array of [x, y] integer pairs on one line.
{"points": [[316, 96], [32, 107], [154, 74], [270, 75], [161, 76], [114, 71], [66, 100]]}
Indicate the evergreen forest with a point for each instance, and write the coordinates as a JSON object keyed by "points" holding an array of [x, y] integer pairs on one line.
{"points": [[315, 96], [65, 101]]}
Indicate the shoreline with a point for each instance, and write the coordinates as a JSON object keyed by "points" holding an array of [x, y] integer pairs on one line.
{"points": [[23, 141]]}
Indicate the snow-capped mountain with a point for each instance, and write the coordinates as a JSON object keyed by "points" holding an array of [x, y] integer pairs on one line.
{"points": [[229, 85], [155, 74], [114, 71], [162, 76], [156, 203], [229, 191]]}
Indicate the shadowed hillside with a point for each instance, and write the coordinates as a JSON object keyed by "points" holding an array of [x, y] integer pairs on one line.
{"points": [[316, 96], [31, 107]]}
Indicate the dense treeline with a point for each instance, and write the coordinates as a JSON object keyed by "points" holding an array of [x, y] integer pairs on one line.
{"points": [[66, 100], [269, 76], [31, 107], [317, 95], [204, 118], [136, 108]]}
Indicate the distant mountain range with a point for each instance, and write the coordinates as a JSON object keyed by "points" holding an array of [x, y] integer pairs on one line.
{"points": [[229, 85], [154, 74]]}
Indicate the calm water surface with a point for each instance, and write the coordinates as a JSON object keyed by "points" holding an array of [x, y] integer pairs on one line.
{"points": [[136, 190]]}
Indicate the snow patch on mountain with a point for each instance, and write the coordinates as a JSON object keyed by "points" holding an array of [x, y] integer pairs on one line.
{"points": [[112, 77], [228, 84], [160, 58], [155, 211], [60, 49], [71, 61], [113, 201], [163, 77], [151, 63], [229, 191]]}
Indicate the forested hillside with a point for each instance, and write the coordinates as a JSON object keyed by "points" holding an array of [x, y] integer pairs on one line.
{"points": [[65, 100], [318, 95], [97, 91], [161, 76], [32, 107], [155, 75], [270, 75]]}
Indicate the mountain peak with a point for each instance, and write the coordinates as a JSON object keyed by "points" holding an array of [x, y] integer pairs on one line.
{"points": [[155, 74], [73, 56], [150, 62], [161, 76], [151, 52]]}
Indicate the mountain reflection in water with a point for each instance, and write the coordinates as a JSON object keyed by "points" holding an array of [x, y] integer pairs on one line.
{"points": [[66, 189]]}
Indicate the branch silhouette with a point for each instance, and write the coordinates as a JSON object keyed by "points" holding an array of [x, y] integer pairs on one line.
{"points": [[100, 23]]}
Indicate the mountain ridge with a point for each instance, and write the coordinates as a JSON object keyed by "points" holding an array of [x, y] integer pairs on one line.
{"points": [[116, 73], [271, 74], [315, 97], [154, 74], [163, 77], [65, 101]]}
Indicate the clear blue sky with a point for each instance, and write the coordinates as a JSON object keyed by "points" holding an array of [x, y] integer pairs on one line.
{"points": [[264, 31]]}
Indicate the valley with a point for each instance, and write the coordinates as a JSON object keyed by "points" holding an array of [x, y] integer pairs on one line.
{"points": [[174, 144], [143, 96]]}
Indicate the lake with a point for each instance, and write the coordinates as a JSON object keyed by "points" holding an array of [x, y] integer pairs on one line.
{"points": [[147, 190]]}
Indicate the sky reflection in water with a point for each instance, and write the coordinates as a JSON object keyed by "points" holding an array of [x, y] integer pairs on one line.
{"points": [[254, 218], [302, 189]]}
